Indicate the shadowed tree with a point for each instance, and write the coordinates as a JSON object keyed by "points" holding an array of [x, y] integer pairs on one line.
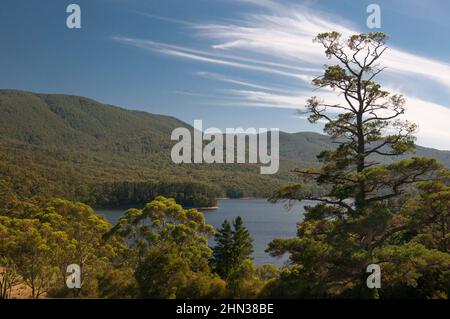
{"points": [[233, 246], [222, 258], [242, 241]]}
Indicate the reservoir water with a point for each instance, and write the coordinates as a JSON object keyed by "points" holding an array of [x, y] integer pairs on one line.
{"points": [[265, 222]]}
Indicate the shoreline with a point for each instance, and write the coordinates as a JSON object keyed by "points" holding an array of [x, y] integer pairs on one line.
{"points": [[207, 208]]}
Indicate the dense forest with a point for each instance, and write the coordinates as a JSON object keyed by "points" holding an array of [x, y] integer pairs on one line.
{"points": [[79, 149], [379, 200]]}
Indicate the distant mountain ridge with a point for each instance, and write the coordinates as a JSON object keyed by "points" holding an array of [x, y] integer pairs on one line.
{"points": [[67, 141]]}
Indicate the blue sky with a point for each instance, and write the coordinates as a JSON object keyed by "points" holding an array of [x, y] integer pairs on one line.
{"points": [[230, 63]]}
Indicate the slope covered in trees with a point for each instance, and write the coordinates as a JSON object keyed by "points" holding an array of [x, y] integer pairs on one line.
{"points": [[74, 147]]}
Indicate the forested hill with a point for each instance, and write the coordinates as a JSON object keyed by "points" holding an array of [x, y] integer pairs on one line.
{"points": [[75, 147], [64, 120]]}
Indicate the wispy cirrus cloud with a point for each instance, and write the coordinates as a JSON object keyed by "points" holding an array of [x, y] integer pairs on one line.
{"points": [[220, 59], [287, 35], [278, 41], [239, 82]]}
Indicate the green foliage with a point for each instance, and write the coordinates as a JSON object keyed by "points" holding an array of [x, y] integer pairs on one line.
{"points": [[160, 251], [232, 261], [223, 250], [233, 247], [169, 248], [30, 247], [368, 213], [128, 194], [242, 241], [244, 280], [117, 283], [85, 230], [38, 242]]}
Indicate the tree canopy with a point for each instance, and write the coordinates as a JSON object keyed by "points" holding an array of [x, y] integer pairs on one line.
{"points": [[362, 219]]}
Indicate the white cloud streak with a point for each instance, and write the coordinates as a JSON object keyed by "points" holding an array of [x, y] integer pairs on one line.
{"points": [[228, 79], [279, 41], [287, 35], [225, 60]]}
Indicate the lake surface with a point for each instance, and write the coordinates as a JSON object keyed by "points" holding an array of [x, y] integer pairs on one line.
{"points": [[264, 221]]}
